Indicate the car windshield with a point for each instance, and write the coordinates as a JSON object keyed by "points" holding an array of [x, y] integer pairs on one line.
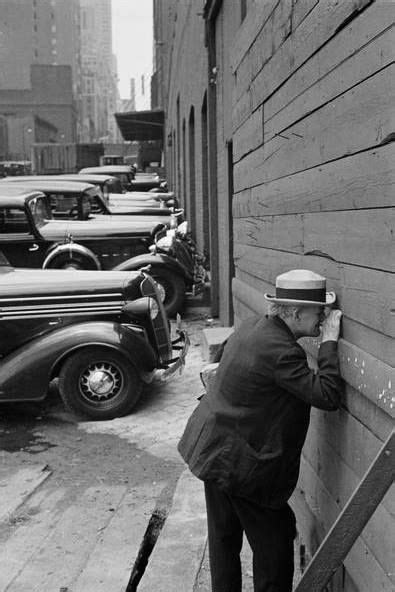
{"points": [[124, 178], [96, 204], [114, 185], [40, 211]]}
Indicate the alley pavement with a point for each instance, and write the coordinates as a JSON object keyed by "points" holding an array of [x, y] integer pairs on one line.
{"points": [[84, 523]]}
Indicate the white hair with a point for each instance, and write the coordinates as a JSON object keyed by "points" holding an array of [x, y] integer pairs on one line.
{"points": [[283, 311]]}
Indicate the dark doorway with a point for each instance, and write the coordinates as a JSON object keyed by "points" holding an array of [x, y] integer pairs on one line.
{"points": [[230, 229], [192, 180], [205, 200]]}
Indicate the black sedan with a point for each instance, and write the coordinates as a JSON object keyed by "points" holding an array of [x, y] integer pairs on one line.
{"points": [[31, 237], [67, 197], [103, 334]]}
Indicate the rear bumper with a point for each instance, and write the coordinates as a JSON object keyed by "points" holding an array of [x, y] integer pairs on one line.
{"points": [[181, 344]]}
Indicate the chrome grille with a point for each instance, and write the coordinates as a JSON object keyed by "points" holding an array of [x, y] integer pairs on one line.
{"points": [[160, 323]]}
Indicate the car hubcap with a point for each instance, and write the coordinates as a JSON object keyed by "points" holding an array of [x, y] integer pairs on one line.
{"points": [[101, 381], [71, 266]]}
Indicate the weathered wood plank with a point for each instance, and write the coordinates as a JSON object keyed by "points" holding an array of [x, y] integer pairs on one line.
{"points": [[241, 109], [73, 537], [359, 66], [341, 463], [312, 531], [15, 488], [250, 135], [257, 15], [361, 237], [352, 519], [31, 526], [347, 110], [319, 26], [343, 45], [365, 373], [363, 180], [354, 440], [360, 563], [358, 51], [171, 570], [359, 119], [300, 10], [364, 295], [111, 561]]}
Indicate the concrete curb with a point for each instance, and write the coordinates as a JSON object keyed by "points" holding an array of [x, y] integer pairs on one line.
{"points": [[178, 553]]}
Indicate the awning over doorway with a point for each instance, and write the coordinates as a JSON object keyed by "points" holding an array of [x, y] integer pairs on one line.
{"points": [[141, 125]]}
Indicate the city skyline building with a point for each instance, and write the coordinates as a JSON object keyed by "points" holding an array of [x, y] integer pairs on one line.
{"points": [[99, 97], [40, 63]]}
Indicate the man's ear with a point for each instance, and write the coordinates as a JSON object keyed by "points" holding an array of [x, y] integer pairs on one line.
{"points": [[296, 314]]}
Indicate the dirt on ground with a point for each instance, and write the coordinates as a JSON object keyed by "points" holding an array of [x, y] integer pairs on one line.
{"points": [[136, 453]]}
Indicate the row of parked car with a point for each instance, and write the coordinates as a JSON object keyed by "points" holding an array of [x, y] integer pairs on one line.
{"points": [[103, 329]]}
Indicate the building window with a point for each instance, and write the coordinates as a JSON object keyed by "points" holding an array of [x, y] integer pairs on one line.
{"points": [[243, 9]]}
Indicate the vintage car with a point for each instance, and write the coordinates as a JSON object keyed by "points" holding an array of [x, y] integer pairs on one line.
{"points": [[81, 200], [31, 237], [102, 334], [111, 189], [124, 172]]}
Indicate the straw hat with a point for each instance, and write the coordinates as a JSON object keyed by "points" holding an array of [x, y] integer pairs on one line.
{"points": [[301, 286]]}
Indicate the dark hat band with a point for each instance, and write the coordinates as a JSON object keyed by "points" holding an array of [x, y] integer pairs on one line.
{"points": [[315, 295]]}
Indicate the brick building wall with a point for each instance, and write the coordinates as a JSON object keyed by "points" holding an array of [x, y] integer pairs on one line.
{"points": [[183, 79], [48, 102]]}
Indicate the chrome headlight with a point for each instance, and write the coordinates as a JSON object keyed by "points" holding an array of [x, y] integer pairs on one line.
{"points": [[145, 306], [153, 308], [166, 242]]}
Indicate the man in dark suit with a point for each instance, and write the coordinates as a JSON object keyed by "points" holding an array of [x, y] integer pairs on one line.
{"points": [[245, 438]]}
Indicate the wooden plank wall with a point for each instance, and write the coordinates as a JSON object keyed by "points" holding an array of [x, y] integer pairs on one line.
{"points": [[313, 134]]}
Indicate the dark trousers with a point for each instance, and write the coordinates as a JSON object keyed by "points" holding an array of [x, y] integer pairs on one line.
{"points": [[269, 532]]}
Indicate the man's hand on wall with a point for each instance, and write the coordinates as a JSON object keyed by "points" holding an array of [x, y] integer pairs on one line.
{"points": [[331, 326]]}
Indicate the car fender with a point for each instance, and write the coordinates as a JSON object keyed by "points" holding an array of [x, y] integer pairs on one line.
{"points": [[70, 250], [26, 373], [160, 260]]}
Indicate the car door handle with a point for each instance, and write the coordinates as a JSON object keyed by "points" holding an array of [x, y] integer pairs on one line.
{"points": [[34, 247]]}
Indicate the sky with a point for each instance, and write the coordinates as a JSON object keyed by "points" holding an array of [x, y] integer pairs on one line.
{"points": [[132, 29]]}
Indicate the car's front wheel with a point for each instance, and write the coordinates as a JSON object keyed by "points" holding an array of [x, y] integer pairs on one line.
{"points": [[171, 288], [99, 383]]}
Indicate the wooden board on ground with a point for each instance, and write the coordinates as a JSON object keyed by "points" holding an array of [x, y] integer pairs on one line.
{"points": [[111, 561], [30, 526], [17, 487], [62, 555]]}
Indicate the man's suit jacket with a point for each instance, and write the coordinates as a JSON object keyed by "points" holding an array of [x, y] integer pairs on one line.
{"points": [[247, 433]]}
